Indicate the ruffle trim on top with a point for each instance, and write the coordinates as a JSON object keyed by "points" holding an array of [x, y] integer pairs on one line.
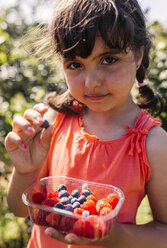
{"points": [[137, 138], [143, 124]]}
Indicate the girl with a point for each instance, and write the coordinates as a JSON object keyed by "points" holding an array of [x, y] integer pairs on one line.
{"points": [[99, 133]]}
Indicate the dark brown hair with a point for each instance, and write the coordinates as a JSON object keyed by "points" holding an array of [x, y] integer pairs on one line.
{"points": [[121, 25]]}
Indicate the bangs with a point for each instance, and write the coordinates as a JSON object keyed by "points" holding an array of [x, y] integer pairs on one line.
{"points": [[75, 30]]}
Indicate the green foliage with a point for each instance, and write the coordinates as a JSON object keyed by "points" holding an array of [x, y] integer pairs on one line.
{"points": [[14, 230], [158, 70], [24, 80]]}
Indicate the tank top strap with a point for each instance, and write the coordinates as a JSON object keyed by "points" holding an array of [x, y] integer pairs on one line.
{"points": [[138, 134]]}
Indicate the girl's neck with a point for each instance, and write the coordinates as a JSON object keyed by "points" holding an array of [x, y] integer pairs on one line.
{"points": [[110, 125], [125, 113]]}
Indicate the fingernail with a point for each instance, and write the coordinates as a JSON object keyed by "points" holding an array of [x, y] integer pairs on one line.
{"points": [[69, 240], [38, 120], [24, 146], [49, 233], [30, 129]]}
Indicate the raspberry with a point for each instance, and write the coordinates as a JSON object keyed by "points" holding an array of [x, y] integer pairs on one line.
{"points": [[113, 199], [53, 220], [53, 194], [95, 227], [91, 227], [78, 211], [101, 204], [40, 218], [66, 224], [38, 197], [91, 197], [57, 199], [78, 227], [105, 211], [49, 202], [90, 206]]}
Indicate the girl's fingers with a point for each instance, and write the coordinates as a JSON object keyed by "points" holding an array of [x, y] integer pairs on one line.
{"points": [[70, 238], [34, 117], [41, 108], [13, 142], [53, 233], [21, 124]]}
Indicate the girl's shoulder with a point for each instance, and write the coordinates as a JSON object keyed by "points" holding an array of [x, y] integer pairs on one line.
{"points": [[156, 147]]}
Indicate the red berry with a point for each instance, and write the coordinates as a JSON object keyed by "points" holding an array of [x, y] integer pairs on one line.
{"points": [[38, 197], [78, 211], [66, 224], [101, 204], [91, 197], [90, 206], [105, 211], [113, 199], [78, 228], [91, 227], [49, 202], [40, 218], [53, 194], [57, 199], [53, 220]]}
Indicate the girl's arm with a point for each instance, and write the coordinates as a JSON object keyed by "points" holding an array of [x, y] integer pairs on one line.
{"points": [[153, 234], [27, 146]]}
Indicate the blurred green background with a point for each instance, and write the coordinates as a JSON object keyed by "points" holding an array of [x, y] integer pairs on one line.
{"points": [[24, 80]]}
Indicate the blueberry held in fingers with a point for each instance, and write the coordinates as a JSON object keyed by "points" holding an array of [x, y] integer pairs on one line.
{"points": [[45, 124]]}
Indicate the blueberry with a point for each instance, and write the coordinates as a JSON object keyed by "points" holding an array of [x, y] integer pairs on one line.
{"points": [[62, 187], [59, 205], [69, 208], [76, 205], [45, 124], [85, 192], [82, 198], [85, 213], [63, 193], [74, 199], [75, 193], [64, 200]]}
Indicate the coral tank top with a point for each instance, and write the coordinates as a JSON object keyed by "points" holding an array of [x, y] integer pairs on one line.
{"points": [[121, 162]]}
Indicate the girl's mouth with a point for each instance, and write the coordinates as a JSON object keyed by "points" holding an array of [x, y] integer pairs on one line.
{"points": [[96, 97]]}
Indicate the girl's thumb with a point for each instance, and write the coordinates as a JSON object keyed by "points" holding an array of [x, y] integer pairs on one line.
{"points": [[46, 137]]}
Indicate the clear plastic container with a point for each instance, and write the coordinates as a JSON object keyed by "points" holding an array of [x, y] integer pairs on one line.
{"points": [[93, 227]]}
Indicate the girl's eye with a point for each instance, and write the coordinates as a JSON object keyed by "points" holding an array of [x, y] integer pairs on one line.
{"points": [[74, 65], [109, 61]]}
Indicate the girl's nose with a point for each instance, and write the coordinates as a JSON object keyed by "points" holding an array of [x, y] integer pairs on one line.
{"points": [[92, 80]]}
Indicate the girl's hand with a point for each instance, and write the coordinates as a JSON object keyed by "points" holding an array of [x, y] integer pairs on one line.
{"points": [[28, 144], [71, 238]]}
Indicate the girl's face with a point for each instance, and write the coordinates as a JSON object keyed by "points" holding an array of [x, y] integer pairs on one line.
{"points": [[103, 80]]}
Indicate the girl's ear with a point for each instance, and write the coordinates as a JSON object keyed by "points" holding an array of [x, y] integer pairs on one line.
{"points": [[139, 56]]}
